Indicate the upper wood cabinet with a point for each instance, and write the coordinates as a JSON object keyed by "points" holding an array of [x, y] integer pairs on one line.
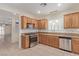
{"points": [[37, 24], [29, 20], [75, 20], [24, 21], [34, 22], [71, 20], [42, 24], [67, 21]]}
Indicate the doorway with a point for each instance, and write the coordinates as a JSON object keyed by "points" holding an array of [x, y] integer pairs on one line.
{"points": [[5, 35], [2, 32]]}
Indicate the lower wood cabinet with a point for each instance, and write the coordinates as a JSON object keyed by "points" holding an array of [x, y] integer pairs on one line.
{"points": [[75, 45], [49, 40], [25, 41], [42, 39], [53, 41]]}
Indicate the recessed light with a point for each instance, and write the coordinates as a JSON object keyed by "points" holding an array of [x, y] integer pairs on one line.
{"points": [[38, 12], [59, 4]]}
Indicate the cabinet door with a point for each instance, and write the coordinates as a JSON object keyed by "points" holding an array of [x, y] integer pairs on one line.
{"points": [[25, 41], [68, 21], [42, 24], [75, 45], [46, 24], [44, 39], [34, 22], [51, 41], [75, 20], [29, 20], [54, 41], [39, 24], [41, 38], [23, 22]]}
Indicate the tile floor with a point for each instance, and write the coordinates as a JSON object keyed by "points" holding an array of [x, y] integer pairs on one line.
{"points": [[38, 50]]}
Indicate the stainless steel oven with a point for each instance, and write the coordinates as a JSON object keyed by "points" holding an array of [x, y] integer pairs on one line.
{"points": [[33, 39]]}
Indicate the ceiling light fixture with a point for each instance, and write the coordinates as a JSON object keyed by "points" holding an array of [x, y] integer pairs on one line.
{"points": [[59, 4], [43, 4]]}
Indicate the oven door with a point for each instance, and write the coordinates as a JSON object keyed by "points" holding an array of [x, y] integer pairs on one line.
{"points": [[33, 41]]}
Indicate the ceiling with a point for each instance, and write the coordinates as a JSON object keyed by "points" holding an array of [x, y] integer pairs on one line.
{"points": [[32, 8]]}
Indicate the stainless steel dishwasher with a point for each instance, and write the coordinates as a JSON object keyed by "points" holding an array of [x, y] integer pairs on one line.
{"points": [[65, 43]]}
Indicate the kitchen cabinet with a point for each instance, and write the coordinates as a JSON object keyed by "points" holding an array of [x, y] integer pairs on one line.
{"points": [[42, 39], [46, 24], [71, 20], [37, 24], [25, 41], [75, 20], [24, 21], [53, 41], [29, 20], [42, 24], [75, 45], [49, 40], [34, 22], [68, 21]]}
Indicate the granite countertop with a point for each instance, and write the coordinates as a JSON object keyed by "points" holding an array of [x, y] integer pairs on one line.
{"points": [[62, 34], [65, 34]]}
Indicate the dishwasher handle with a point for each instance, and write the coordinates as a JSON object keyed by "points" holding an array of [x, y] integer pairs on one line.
{"points": [[65, 37]]}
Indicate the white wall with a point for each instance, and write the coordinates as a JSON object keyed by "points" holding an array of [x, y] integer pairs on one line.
{"points": [[15, 30], [59, 26]]}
